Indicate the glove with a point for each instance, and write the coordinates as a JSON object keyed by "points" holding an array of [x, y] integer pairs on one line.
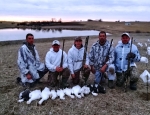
{"points": [[130, 55]]}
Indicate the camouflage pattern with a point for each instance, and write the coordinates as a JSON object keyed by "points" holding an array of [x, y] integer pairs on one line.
{"points": [[29, 62], [53, 77], [85, 77], [133, 76], [98, 55]]}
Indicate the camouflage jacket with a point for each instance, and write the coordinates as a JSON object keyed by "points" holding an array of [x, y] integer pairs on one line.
{"points": [[28, 62], [121, 51], [98, 55]]}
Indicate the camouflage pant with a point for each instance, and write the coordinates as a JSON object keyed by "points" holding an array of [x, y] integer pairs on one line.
{"points": [[133, 75], [53, 77], [42, 73], [85, 75]]}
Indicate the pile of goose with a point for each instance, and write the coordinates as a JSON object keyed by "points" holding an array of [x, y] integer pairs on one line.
{"points": [[46, 93]]}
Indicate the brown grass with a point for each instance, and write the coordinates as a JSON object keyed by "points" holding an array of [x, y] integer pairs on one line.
{"points": [[7, 24], [110, 27], [115, 101], [117, 27]]}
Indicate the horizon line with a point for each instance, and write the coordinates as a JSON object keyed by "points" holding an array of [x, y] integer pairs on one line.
{"points": [[69, 21]]}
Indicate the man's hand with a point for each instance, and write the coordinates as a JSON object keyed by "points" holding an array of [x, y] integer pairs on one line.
{"points": [[28, 75], [130, 55], [73, 75], [103, 69], [85, 66], [59, 69]]}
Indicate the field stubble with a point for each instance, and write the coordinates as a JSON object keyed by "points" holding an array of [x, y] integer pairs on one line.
{"points": [[115, 101]]}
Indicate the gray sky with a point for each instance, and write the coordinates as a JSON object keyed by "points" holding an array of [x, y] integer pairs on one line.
{"points": [[107, 10]]}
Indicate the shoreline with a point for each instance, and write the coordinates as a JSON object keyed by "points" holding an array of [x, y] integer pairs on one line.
{"points": [[109, 27], [41, 40]]}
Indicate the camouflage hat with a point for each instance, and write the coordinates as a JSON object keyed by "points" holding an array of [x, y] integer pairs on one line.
{"points": [[78, 38]]}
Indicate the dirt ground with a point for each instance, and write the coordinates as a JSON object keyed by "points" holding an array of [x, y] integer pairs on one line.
{"points": [[115, 101]]}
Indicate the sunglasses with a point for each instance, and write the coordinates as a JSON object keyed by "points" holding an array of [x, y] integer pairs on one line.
{"points": [[78, 40], [55, 45]]}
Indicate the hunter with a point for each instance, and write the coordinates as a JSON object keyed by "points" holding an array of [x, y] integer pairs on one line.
{"points": [[75, 58], [53, 61], [31, 69], [122, 55], [101, 56]]}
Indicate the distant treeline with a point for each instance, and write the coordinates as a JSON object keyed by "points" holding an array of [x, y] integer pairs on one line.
{"points": [[49, 23]]}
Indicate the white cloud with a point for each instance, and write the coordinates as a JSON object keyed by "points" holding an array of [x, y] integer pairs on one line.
{"points": [[75, 8]]}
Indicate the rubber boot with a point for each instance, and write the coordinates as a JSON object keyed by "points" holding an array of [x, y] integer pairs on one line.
{"points": [[120, 79], [52, 80], [111, 84], [64, 83], [133, 85]]}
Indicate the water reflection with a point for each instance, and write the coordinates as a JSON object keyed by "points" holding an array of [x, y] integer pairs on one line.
{"points": [[19, 33], [43, 29]]}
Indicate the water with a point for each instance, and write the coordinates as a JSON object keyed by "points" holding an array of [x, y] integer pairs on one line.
{"points": [[20, 34]]}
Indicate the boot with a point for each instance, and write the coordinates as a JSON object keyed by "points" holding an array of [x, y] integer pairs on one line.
{"points": [[64, 83], [52, 79], [111, 84], [85, 78], [120, 79], [103, 81], [37, 81], [133, 85]]}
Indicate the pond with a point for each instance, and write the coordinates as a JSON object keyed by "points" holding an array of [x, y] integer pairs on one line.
{"points": [[20, 34]]}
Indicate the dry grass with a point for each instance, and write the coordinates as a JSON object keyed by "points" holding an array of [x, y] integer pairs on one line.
{"points": [[117, 27], [110, 27], [115, 101], [6, 24]]}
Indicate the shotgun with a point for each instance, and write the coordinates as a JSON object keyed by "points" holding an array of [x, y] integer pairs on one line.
{"points": [[61, 64], [127, 73], [84, 58], [107, 56]]}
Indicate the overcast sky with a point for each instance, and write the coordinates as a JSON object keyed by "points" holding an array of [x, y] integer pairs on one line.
{"points": [[107, 10]]}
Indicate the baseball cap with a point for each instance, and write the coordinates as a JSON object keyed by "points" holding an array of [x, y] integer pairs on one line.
{"points": [[127, 34], [55, 42], [78, 38]]}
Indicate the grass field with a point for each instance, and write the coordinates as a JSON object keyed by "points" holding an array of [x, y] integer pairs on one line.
{"points": [[110, 27], [4, 24], [115, 101]]}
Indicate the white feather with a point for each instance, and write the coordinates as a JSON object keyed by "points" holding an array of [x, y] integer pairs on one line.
{"points": [[68, 92], [61, 94], [45, 95], [76, 90], [34, 95], [53, 94]]}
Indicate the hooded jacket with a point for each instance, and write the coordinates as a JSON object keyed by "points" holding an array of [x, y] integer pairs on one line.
{"points": [[29, 63], [98, 54], [53, 59], [75, 58], [121, 51]]}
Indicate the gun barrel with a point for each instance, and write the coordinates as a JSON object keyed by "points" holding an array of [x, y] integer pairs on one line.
{"points": [[61, 63]]}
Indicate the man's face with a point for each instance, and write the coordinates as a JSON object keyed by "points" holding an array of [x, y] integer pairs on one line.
{"points": [[78, 43], [30, 40], [56, 47], [125, 39], [102, 38]]}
